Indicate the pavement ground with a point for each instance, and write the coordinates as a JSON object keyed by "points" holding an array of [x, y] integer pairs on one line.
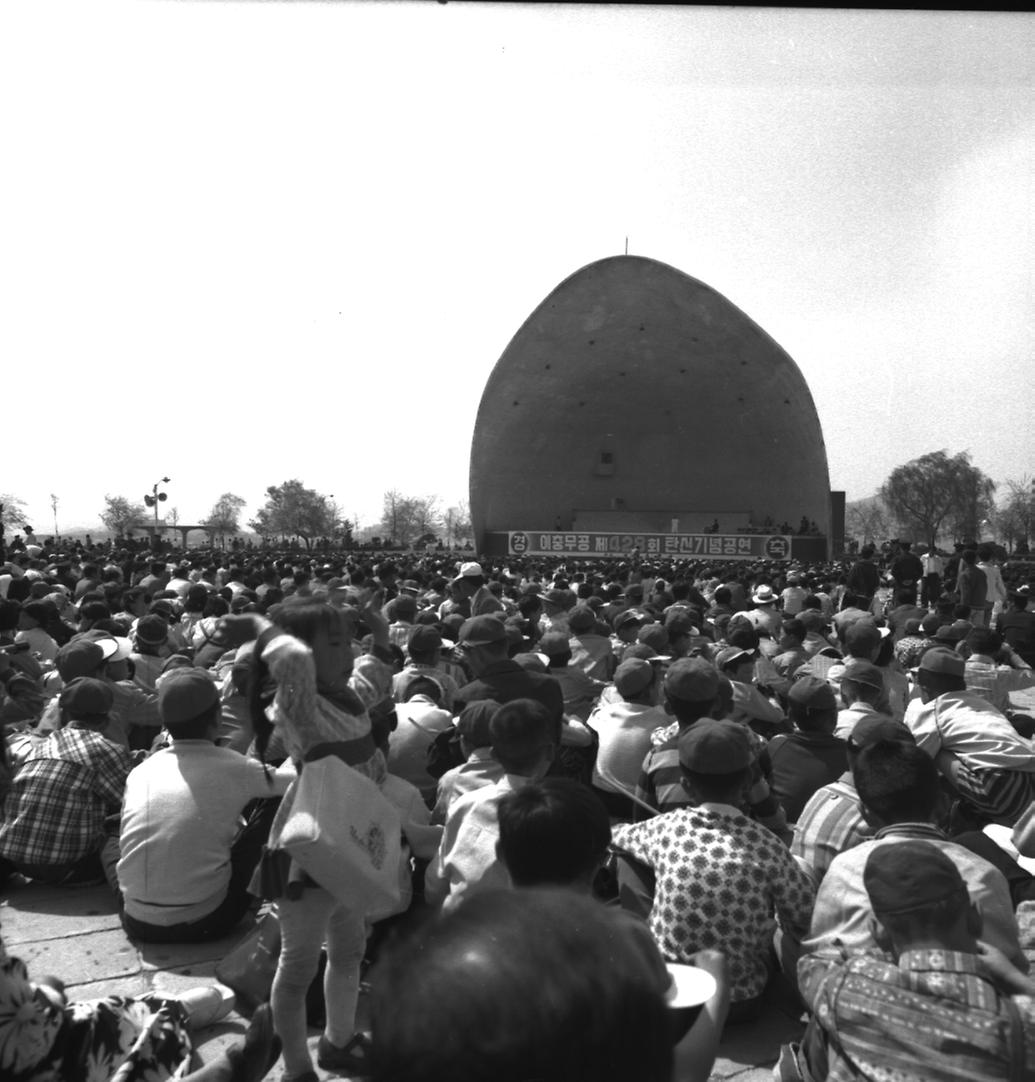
{"points": [[74, 933]]}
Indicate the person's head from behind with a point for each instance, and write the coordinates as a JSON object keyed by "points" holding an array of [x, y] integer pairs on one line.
{"points": [[862, 640], [896, 783], [861, 682], [691, 687], [525, 737], [812, 705], [940, 671], [472, 726], [793, 634], [918, 896], [188, 704], [514, 986], [484, 642], [87, 702], [715, 758], [555, 832], [983, 640]]}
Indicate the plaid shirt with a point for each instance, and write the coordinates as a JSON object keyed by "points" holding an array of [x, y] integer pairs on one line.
{"points": [[930, 1017], [54, 813]]}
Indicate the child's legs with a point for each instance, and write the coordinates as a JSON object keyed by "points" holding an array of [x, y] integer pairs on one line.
{"points": [[346, 945], [303, 927]]}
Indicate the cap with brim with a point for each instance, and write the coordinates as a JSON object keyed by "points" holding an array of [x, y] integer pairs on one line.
{"points": [[940, 660], [906, 875], [629, 616], [186, 694], [633, 676], [812, 693], [877, 727], [692, 680], [581, 619], [531, 662], [86, 697], [562, 599], [949, 634], [424, 639], [862, 672], [729, 655], [82, 657], [473, 723], [554, 643], [123, 647], [407, 680], [471, 570], [714, 747], [654, 636], [482, 631], [764, 596]]}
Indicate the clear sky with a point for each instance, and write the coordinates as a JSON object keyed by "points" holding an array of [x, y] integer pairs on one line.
{"points": [[246, 242]]}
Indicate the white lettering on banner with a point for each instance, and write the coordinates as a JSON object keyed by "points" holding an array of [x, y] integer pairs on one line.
{"points": [[729, 546]]}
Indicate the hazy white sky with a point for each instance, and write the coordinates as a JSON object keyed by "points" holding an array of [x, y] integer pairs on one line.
{"points": [[246, 242]]}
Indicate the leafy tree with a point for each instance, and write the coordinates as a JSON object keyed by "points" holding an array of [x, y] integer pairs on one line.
{"points": [[1015, 517], [224, 516], [404, 519], [457, 524], [120, 515], [935, 493], [13, 513], [867, 520], [293, 510]]}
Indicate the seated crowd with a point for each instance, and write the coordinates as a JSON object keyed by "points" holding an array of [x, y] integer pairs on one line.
{"points": [[815, 783]]}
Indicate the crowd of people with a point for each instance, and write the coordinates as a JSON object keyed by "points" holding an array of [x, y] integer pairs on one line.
{"points": [[816, 783]]}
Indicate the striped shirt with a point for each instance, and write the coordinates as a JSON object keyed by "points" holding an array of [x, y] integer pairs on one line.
{"points": [[930, 1017], [830, 823]]}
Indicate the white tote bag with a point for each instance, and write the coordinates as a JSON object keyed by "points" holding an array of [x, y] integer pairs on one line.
{"points": [[344, 833]]}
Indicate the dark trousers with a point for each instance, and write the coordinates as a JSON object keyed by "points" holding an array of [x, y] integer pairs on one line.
{"points": [[930, 590], [244, 857]]}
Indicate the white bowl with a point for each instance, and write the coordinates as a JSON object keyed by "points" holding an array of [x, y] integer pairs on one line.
{"points": [[690, 987]]}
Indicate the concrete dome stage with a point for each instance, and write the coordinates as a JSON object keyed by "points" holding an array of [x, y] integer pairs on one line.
{"points": [[636, 398]]}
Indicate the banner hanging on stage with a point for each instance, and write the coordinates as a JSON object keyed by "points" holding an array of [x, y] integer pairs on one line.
{"points": [[673, 545]]}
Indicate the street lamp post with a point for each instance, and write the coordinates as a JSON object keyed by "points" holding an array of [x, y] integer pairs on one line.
{"points": [[154, 500]]}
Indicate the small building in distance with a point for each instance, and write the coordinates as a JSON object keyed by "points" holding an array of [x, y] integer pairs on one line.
{"points": [[636, 400]]}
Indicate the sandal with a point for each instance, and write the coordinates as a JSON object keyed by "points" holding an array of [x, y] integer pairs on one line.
{"points": [[352, 1057]]}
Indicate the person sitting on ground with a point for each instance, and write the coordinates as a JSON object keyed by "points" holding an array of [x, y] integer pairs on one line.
{"points": [[477, 766], [987, 675], [951, 1006], [624, 729], [525, 738], [976, 749], [811, 757], [580, 691], [863, 694], [832, 821], [693, 690], [590, 645], [420, 720], [584, 995], [149, 1038], [791, 655], [424, 648], [1017, 626], [901, 799], [54, 818], [497, 676], [185, 865], [750, 706], [719, 877]]}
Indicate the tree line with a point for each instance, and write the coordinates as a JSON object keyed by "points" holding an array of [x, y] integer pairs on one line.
{"points": [[943, 497]]}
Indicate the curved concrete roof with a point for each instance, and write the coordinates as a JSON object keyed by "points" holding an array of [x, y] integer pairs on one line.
{"points": [[698, 408]]}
